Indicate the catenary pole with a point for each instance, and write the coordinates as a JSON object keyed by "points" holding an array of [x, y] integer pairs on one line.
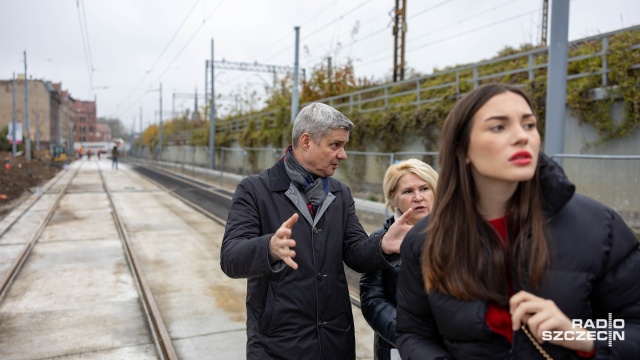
{"points": [[141, 132], [13, 118], [206, 87], [59, 130], [557, 79], [212, 116], [160, 112], [27, 129], [295, 100]]}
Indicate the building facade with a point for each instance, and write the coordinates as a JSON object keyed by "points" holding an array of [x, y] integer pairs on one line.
{"points": [[85, 129], [50, 111]]}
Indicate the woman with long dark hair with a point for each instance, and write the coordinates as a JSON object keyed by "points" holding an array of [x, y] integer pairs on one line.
{"points": [[514, 264]]}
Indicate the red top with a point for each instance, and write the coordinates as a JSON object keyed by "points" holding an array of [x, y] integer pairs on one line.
{"points": [[497, 317]]}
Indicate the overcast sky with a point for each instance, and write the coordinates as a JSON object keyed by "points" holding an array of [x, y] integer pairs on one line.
{"points": [[121, 50]]}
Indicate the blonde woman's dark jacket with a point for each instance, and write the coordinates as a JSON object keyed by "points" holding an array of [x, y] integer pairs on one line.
{"points": [[303, 313], [595, 271], [378, 303]]}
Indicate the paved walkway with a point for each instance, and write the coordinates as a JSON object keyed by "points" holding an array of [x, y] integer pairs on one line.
{"points": [[179, 249]]}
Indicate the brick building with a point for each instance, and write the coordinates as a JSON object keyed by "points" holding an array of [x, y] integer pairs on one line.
{"points": [[85, 122], [50, 111]]}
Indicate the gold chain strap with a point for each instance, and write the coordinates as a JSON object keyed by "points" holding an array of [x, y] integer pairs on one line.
{"points": [[535, 343]]}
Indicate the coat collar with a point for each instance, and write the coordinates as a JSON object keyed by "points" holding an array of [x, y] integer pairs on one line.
{"points": [[556, 187], [280, 181]]}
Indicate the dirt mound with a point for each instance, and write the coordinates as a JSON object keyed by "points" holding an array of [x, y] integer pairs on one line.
{"points": [[17, 177]]}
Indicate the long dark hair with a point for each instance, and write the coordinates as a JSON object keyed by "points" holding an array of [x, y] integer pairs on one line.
{"points": [[463, 256]]}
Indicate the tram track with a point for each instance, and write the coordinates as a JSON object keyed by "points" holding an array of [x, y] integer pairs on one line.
{"points": [[214, 202], [161, 336], [22, 256], [117, 269], [155, 324]]}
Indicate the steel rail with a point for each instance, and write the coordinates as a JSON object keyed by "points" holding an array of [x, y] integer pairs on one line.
{"points": [[185, 179], [21, 258], [48, 186], [353, 298], [158, 329]]}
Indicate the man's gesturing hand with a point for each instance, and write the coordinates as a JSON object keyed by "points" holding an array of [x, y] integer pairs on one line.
{"points": [[281, 244]]}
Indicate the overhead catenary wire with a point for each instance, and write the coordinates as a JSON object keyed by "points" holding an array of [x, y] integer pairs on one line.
{"points": [[177, 55], [456, 35], [431, 32], [288, 34], [386, 28], [307, 36], [163, 50], [84, 32]]}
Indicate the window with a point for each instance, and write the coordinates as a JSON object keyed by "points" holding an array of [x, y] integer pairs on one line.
{"points": [[82, 119]]}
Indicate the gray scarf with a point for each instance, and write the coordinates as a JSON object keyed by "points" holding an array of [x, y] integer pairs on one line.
{"points": [[314, 187]]}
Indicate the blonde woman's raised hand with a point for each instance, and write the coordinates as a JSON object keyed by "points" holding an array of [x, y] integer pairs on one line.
{"points": [[392, 240]]}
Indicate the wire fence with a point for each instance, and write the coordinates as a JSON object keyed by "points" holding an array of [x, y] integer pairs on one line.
{"points": [[611, 179], [522, 67]]}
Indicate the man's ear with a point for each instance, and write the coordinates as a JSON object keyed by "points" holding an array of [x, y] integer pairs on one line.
{"points": [[305, 141]]}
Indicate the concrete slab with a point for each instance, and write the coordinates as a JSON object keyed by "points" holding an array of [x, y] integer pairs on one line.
{"points": [[75, 299]]}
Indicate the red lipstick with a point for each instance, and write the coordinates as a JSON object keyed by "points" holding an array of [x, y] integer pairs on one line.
{"points": [[521, 158]]}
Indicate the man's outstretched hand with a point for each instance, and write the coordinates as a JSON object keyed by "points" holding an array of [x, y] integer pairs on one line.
{"points": [[281, 243]]}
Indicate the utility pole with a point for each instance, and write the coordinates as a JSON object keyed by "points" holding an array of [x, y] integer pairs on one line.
{"points": [[212, 116], [295, 99], [37, 129], [141, 131], [544, 25], [399, 32], [133, 137], [59, 131], [557, 79], [70, 142], [206, 88], [27, 130], [195, 106], [13, 118], [160, 112], [329, 76]]}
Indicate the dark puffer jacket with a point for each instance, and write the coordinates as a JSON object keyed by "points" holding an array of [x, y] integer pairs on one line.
{"points": [[595, 271], [378, 303], [303, 313]]}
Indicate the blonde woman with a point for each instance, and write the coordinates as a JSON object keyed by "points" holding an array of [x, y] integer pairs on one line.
{"points": [[410, 184]]}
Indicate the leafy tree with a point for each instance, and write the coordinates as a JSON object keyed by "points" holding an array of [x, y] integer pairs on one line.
{"points": [[117, 128], [5, 145]]}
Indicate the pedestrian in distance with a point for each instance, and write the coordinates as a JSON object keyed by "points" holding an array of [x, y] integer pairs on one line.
{"points": [[290, 230], [512, 263], [89, 153], [114, 157], [409, 184]]}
